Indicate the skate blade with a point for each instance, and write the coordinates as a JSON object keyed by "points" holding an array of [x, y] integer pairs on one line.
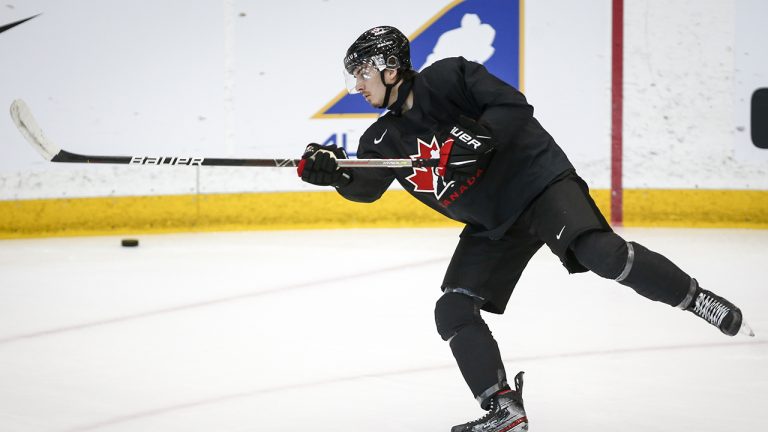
{"points": [[746, 329]]}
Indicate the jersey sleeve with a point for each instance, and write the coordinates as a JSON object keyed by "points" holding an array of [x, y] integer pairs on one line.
{"points": [[368, 184], [503, 108]]}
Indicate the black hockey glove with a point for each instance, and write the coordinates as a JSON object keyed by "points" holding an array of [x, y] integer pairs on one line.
{"points": [[318, 166], [467, 147]]}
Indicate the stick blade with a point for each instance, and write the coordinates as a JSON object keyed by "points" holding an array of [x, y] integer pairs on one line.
{"points": [[28, 127]]}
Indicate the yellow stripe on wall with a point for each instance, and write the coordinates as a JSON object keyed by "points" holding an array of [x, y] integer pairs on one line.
{"points": [[696, 208], [225, 212], [318, 210]]}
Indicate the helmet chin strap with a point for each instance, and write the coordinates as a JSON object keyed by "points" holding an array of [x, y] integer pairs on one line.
{"points": [[389, 87]]}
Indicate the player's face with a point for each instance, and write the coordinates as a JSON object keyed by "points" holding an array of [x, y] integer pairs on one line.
{"points": [[369, 84]]}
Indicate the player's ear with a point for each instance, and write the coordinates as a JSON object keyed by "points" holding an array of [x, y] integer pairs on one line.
{"points": [[390, 75]]}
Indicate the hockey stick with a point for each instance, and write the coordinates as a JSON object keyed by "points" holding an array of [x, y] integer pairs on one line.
{"points": [[28, 127]]}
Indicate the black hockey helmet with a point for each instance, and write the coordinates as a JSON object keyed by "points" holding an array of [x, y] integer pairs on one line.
{"points": [[379, 48], [384, 45]]}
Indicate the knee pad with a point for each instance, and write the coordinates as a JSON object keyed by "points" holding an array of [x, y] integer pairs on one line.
{"points": [[454, 311], [602, 252]]}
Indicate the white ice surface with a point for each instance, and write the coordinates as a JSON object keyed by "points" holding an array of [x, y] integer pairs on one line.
{"points": [[334, 331]]}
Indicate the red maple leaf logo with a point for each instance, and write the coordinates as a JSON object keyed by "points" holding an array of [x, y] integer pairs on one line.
{"points": [[425, 179]]}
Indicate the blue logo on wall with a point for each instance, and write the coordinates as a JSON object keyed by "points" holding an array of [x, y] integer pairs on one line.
{"points": [[485, 31]]}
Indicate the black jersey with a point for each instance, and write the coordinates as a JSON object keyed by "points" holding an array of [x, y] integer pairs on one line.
{"points": [[527, 159]]}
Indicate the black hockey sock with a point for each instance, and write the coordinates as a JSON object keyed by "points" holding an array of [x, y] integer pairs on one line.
{"points": [[648, 273], [479, 359], [458, 320], [654, 276]]}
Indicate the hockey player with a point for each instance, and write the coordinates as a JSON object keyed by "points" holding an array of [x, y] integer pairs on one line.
{"points": [[505, 178]]}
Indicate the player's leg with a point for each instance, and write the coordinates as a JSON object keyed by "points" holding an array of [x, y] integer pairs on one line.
{"points": [[482, 275], [650, 274], [458, 320], [653, 276], [585, 241], [457, 315]]}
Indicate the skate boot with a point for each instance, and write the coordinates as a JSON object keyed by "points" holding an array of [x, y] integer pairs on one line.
{"points": [[718, 311], [505, 413]]}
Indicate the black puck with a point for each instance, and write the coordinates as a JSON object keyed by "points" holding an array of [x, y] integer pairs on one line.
{"points": [[129, 242]]}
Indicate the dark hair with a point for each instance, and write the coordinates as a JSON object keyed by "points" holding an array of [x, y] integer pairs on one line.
{"points": [[407, 74]]}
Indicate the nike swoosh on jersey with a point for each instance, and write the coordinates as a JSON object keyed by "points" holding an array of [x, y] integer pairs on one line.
{"points": [[376, 141], [560, 233]]}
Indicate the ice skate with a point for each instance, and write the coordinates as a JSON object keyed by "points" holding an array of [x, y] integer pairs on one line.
{"points": [[719, 312], [505, 413]]}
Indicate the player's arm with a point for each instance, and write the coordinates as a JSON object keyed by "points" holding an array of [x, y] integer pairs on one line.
{"points": [[495, 112], [504, 111]]}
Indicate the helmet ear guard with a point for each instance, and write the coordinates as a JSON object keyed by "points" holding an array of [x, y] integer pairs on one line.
{"points": [[392, 62]]}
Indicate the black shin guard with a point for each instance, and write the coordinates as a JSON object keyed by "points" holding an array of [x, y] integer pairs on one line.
{"points": [[654, 276], [476, 352], [479, 359], [648, 273]]}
